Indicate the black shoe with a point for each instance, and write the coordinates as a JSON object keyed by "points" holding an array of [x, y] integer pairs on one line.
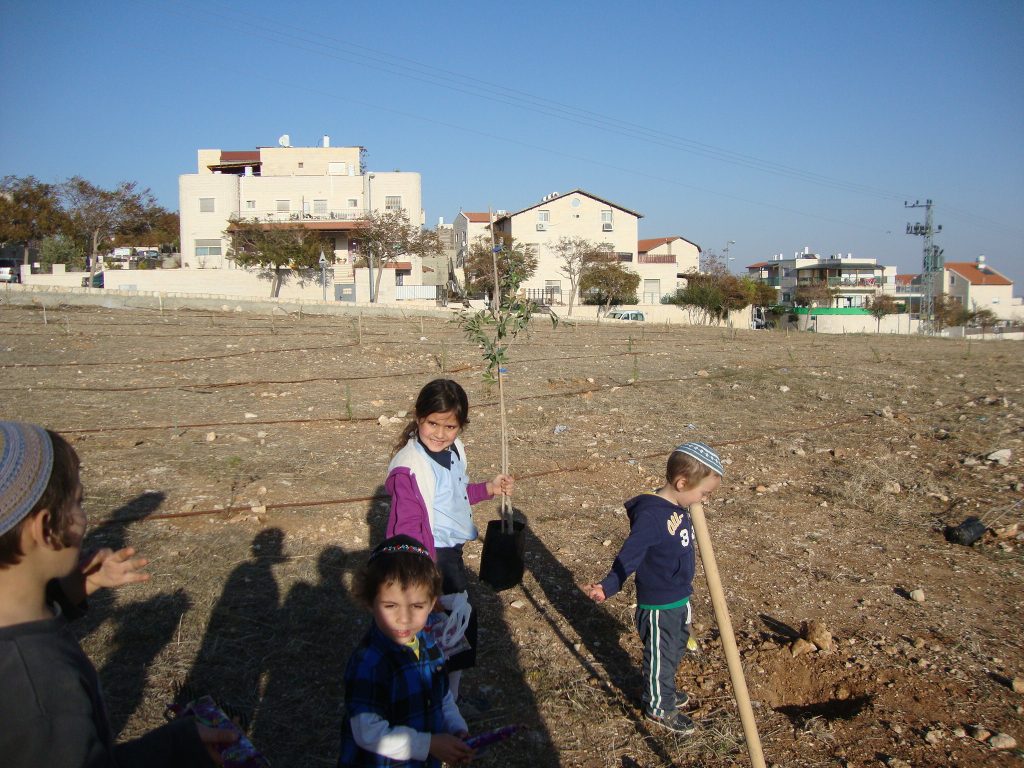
{"points": [[682, 699], [676, 722]]}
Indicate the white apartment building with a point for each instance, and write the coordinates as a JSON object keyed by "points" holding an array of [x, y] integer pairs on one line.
{"points": [[856, 279], [573, 214], [322, 188]]}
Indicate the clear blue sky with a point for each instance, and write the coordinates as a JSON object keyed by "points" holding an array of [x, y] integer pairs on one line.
{"points": [[778, 124]]}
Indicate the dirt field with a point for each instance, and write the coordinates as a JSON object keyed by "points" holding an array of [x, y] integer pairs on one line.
{"points": [[244, 455]]}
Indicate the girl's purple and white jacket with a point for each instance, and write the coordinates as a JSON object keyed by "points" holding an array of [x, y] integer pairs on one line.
{"points": [[430, 502]]}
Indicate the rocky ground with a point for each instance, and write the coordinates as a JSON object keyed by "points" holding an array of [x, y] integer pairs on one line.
{"points": [[244, 454]]}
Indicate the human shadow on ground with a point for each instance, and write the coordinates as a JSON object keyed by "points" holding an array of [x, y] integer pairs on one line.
{"points": [[598, 632], [240, 634], [315, 630], [141, 628]]}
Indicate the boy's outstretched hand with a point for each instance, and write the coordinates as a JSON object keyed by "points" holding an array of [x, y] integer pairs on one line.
{"points": [[449, 748], [107, 568], [595, 592], [501, 484]]}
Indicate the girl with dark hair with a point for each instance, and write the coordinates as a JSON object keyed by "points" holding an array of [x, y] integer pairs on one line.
{"points": [[431, 495]]}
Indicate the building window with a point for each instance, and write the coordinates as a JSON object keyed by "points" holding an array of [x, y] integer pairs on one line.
{"points": [[544, 216], [606, 217], [319, 207], [208, 248], [353, 202], [283, 206], [207, 205], [250, 205], [392, 203], [302, 165]]}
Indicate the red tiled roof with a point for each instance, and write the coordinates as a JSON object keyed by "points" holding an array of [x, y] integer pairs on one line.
{"points": [[905, 279], [758, 265], [642, 246], [970, 272], [477, 218]]}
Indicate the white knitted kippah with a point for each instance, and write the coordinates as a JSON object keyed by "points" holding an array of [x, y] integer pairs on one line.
{"points": [[703, 453], [26, 460]]}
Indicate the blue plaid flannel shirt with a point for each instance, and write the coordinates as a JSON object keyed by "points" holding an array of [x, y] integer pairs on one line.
{"points": [[387, 679]]}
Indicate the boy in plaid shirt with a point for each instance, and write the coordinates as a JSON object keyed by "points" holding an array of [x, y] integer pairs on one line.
{"points": [[399, 710]]}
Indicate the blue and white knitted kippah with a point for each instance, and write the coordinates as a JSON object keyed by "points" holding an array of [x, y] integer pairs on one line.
{"points": [[703, 453], [26, 460]]}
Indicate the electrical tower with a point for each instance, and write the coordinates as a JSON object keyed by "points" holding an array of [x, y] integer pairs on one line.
{"points": [[931, 273]]}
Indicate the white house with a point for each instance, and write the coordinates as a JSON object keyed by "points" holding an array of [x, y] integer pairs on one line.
{"points": [[667, 260], [857, 280], [577, 214], [977, 286], [323, 188]]}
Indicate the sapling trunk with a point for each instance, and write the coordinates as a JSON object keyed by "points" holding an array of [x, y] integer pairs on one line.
{"points": [[732, 656]]}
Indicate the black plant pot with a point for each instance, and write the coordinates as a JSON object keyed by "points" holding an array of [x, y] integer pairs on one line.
{"points": [[968, 532], [502, 561]]}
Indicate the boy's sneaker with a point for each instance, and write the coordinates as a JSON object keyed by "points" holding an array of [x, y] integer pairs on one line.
{"points": [[676, 722]]}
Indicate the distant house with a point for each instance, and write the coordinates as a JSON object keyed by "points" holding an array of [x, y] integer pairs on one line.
{"points": [[857, 280], [323, 189], [676, 254], [573, 214], [977, 286]]}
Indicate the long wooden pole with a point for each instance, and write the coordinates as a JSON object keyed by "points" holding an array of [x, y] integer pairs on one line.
{"points": [[506, 512], [732, 656]]}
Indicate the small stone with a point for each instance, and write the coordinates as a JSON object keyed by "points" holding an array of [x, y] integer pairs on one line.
{"points": [[211, 436], [917, 595], [261, 434], [382, 420], [959, 732], [250, 415], [885, 413], [1002, 741], [800, 647], [933, 737], [761, 489], [816, 632], [970, 461], [703, 374], [258, 509], [1000, 457], [783, 389], [606, 543], [979, 733], [1018, 685], [891, 486], [895, 762], [517, 604]]}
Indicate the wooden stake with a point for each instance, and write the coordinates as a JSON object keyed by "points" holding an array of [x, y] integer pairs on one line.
{"points": [[732, 656]]}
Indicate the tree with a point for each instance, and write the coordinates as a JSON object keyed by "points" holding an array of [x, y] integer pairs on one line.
{"points": [[881, 305], [386, 236], [96, 215], [608, 282], [575, 256], [949, 313], [765, 295], [985, 318], [278, 252], [163, 229], [816, 294], [514, 259], [712, 296], [61, 249], [29, 211]]}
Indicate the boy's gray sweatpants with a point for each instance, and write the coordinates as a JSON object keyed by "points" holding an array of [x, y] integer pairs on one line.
{"points": [[664, 633]]}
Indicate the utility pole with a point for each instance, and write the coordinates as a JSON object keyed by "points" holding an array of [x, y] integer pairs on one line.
{"points": [[932, 268]]}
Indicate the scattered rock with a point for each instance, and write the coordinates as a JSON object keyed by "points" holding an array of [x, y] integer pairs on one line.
{"points": [[783, 389], [917, 595], [1002, 741], [933, 736], [891, 486], [885, 413], [970, 461], [382, 420], [1017, 685], [250, 415], [979, 733], [817, 633], [606, 543], [211, 436], [895, 762], [959, 732], [800, 646], [1000, 457], [560, 428], [517, 604]]}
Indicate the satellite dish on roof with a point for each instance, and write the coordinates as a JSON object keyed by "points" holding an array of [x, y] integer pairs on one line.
{"points": [[285, 140]]}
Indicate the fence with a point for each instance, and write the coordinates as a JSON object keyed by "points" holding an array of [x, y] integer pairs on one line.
{"points": [[409, 292]]}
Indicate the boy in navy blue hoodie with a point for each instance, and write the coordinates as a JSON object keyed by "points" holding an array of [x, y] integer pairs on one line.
{"points": [[660, 551]]}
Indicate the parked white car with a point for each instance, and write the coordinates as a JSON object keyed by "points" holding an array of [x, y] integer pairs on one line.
{"points": [[625, 314]]}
